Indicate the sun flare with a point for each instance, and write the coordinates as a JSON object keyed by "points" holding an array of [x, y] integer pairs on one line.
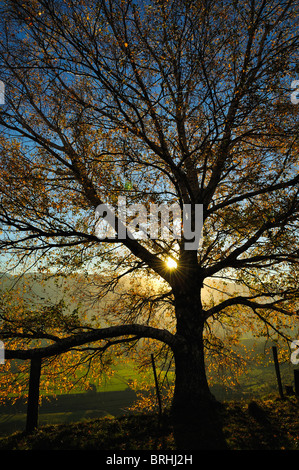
{"points": [[171, 263]]}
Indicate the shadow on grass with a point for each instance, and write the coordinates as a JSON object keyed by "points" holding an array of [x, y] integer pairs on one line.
{"points": [[67, 409]]}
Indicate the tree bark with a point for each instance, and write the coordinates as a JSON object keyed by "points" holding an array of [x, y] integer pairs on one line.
{"points": [[191, 385]]}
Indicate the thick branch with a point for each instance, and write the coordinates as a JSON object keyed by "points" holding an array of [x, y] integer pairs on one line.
{"points": [[250, 194], [80, 339], [246, 301]]}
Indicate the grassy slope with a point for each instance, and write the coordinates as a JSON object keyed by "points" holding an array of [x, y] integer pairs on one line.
{"points": [[269, 424]]}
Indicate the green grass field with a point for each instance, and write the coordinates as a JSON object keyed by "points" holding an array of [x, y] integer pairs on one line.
{"points": [[110, 398]]}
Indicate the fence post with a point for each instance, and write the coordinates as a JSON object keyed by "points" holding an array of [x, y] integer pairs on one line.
{"points": [[274, 350], [33, 395], [157, 385]]}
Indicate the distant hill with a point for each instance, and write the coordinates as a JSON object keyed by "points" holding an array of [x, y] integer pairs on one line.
{"points": [[46, 290]]}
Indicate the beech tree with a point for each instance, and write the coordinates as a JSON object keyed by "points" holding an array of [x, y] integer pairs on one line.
{"points": [[174, 102]]}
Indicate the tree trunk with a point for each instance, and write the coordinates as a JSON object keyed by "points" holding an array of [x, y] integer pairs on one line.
{"points": [[195, 411], [191, 386]]}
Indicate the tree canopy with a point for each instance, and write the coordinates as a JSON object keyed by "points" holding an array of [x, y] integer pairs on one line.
{"points": [[185, 102]]}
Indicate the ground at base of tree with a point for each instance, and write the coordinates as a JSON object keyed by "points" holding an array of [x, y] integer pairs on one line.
{"points": [[269, 424]]}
